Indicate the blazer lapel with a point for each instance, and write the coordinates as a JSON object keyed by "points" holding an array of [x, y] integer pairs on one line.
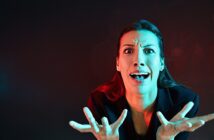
{"points": [[163, 104]]}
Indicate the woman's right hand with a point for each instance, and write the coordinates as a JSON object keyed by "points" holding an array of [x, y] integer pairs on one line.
{"points": [[104, 131]]}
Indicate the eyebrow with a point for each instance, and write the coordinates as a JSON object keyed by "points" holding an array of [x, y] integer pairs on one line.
{"points": [[132, 45]]}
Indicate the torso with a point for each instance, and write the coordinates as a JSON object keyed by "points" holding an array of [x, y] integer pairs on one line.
{"points": [[139, 125], [141, 121], [169, 102]]}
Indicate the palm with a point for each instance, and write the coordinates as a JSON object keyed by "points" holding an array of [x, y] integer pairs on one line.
{"points": [[102, 131]]}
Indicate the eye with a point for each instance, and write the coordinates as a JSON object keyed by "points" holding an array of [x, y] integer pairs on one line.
{"points": [[149, 51], [128, 51]]}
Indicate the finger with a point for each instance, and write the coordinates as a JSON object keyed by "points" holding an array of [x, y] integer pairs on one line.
{"points": [[162, 119], [91, 119], [182, 126], [197, 125], [207, 118], [106, 126], [121, 119], [184, 111], [80, 127]]}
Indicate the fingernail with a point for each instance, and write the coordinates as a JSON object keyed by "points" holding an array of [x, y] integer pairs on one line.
{"points": [[189, 124], [71, 123], [202, 122], [125, 111], [104, 119], [84, 108], [96, 130], [191, 103]]}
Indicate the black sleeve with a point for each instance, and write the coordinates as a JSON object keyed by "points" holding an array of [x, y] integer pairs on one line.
{"points": [[94, 103]]}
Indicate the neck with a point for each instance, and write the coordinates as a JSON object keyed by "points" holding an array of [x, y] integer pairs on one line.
{"points": [[141, 102], [142, 107]]}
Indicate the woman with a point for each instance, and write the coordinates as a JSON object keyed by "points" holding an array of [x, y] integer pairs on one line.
{"points": [[153, 105]]}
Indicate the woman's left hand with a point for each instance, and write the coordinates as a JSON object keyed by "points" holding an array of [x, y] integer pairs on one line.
{"points": [[179, 123]]}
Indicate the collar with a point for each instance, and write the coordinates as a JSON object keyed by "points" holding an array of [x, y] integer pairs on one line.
{"points": [[163, 101]]}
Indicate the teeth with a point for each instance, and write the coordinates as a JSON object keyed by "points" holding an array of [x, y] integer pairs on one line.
{"points": [[139, 75]]}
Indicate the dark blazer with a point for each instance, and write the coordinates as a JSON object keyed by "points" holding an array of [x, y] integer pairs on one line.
{"points": [[169, 101]]}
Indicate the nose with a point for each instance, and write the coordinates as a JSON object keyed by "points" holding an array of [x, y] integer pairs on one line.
{"points": [[139, 59], [136, 64]]}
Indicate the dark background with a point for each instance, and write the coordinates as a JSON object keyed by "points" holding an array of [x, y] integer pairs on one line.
{"points": [[53, 53]]}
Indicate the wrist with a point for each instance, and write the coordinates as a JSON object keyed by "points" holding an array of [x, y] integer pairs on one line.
{"points": [[160, 137]]}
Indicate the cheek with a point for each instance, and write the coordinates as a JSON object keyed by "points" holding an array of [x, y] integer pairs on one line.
{"points": [[124, 65], [155, 63], [124, 62]]}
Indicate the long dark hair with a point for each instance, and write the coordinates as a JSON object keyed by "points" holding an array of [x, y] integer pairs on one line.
{"points": [[115, 88]]}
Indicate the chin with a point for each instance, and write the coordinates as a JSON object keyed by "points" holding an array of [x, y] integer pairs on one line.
{"points": [[140, 90]]}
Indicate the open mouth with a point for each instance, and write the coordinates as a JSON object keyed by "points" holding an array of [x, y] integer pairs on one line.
{"points": [[139, 76]]}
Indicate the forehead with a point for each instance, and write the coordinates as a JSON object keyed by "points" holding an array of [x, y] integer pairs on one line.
{"points": [[140, 36]]}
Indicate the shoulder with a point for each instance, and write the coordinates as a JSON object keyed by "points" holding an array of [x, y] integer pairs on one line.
{"points": [[173, 99], [181, 93], [96, 103], [99, 97], [101, 105], [106, 94]]}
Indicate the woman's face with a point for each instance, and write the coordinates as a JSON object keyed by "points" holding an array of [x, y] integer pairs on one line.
{"points": [[139, 61]]}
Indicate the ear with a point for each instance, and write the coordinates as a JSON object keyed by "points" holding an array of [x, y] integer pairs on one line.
{"points": [[117, 64], [162, 64]]}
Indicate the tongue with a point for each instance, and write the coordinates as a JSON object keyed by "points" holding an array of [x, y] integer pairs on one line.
{"points": [[139, 78]]}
